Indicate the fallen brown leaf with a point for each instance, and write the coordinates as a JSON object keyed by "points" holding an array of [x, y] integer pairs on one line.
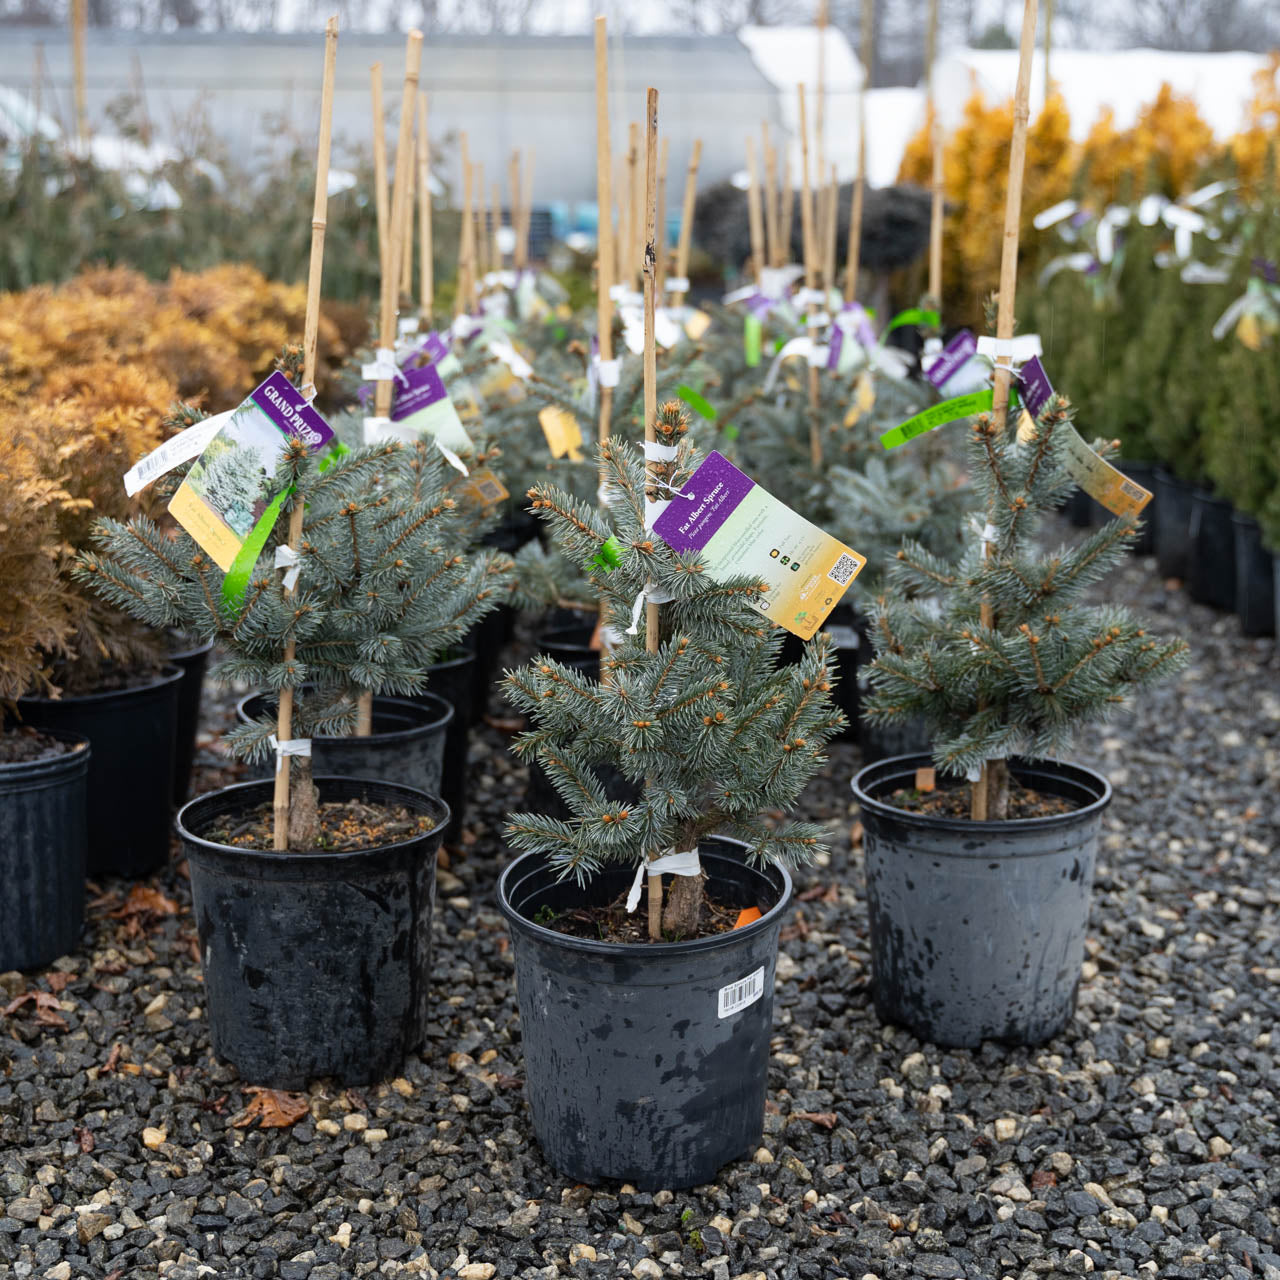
{"points": [[510, 1082], [855, 834], [272, 1109], [771, 1107], [85, 1138], [812, 894], [1043, 1178], [825, 1119], [48, 1013], [113, 1060], [58, 980], [145, 901]]}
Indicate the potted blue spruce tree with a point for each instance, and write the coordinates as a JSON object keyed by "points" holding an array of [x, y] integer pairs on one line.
{"points": [[646, 1035]]}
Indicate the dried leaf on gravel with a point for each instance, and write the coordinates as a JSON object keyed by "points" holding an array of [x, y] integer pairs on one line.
{"points": [[113, 1060], [58, 980], [48, 1011], [1043, 1178], [85, 1138], [825, 1119], [145, 901], [271, 1109]]}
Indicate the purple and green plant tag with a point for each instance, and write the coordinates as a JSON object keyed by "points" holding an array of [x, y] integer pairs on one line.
{"points": [[423, 407], [1037, 390], [955, 355]]}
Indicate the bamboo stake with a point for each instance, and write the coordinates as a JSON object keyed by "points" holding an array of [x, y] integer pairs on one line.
{"points": [[495, 221], [853, 252], [635, 207], [810, 278], [399, 242], [935, 140], [410, 205], [788, 211], [513, 189], [140, 92], [78, 15], [686, 218], [1048, 48], [623, 238], [651, 621], [466, 244], [819, 120], [426, 269], [604, 248], [482, 221], [770, 199], [380, 165], [983, 788], [310, 341], [526, 208], [661, 245], [754, 215], [833, 233]]}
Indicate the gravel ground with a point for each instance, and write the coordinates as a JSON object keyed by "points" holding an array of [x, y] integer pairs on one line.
{"points": [[1143, 1142]]}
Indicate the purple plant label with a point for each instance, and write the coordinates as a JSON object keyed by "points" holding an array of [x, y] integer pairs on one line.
{"points": [[424, 387], [434, 346], [1036, 387], [286, 409], [957, 353], [834, 345], [711, 495], [759, 305]]}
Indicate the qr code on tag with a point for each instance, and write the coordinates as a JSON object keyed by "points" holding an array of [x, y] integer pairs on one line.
{"points": [[490, 490], [1131, 490], [843, 569]]}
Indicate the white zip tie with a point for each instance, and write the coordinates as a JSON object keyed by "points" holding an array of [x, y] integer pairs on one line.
{"points": [[407, 325], [373, 429], [610, 638], [1054, 214], [796, 347], [608, 371], [287, 559], [626, 296], [1150, 208], [734, 295], [775, 281], [451, 458], [683, 863], [383, 368], [1021, 348], [1199, 273], [511, 358], [465, 325], [654, 595], [677, 284], [653, 509], [289, 747], [810, 297], [656, 452], [173, 453]]}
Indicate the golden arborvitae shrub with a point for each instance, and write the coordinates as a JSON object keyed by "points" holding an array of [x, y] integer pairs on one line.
{"points": [[1261, 134], [1173, 144], [976, 177]]}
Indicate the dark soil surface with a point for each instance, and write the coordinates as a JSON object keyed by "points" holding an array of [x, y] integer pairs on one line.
{"points": [[953, 801], [345, 826], [1143, 1142], [21, 746], [614, 923]]}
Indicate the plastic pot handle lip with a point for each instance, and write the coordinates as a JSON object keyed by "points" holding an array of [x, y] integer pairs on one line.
{"points": [[664, 950], [19, 770], [191, 647], [936, 822], [331, 856], [167, 675], [441, 723]]}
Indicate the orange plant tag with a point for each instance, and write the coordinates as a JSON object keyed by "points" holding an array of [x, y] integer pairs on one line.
{"points": [[926, 779], [748, 915], [596, 642]]}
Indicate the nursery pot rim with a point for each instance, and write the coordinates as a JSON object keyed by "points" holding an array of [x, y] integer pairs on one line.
{"points": [[319, 859], [387, 738], [986, 826], [192, 646], [659, 950], [25, 770], [168, 674], [450, 656]]}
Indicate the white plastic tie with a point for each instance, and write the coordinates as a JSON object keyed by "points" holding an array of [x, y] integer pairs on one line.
{"points": [[796, 347], [383, 368], [973, 773], [656, 452], [289, 747], [451, 458], [608, 371], [610, 638], [465, 325], [373, 429], [407, 325], [810, 298], [654, 595], [173, 453], [677, 284], [1055, 213], [734, 295], [511, 358], [653, 509], [287, 559], [1200, 273], [683, 863]]}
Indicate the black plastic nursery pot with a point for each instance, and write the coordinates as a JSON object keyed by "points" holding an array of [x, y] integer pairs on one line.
{"points": [[1211, 567], [486, 640], [977, 928], [453, 678], [883, 741], [407, 744], [849, 638], [1143, 473], [43, 841], [1255, 578], [130, 784], [193, 659], [1172, 524], [571, 647], [315, 964], [645, 1063]]}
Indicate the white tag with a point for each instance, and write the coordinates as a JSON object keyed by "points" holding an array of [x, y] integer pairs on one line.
{"points": [[739, 995], [511, 358], [408, 325], [383, 368], [677, 284], [1054, 213], [373, 429], [1019, 349], [287, 559], [610, 371], [173, 453], [666, 333], [683, 863]]}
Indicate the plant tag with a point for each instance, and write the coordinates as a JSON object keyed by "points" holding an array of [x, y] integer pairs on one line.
{"points": [[435, 349], [1037, 390], [926, 779], [739, 528], [1101, 481], [739, 995], [953, 357], [564, 435], [697, 324], [484, 487], [229, 501], [748, 915], [422, 407], [937, 416], [173, 453], [752, 335]]}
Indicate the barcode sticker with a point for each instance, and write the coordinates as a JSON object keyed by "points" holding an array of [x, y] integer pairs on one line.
{"points": [[844, 569], [738, 995]]}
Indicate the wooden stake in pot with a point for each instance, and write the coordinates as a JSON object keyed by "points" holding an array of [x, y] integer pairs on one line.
{"points": [[463, 299], [481, 233], [935, 143], [604, 247], [380, 166], [770, 199], [661, 243], [754, 214], [853, 253], [788, 211], [810, 279], [410, 204], [526, 209], [990, 793], [686, 218], [426, 269], [310, 340]]}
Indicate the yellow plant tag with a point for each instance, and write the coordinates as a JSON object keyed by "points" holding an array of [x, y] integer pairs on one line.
{"points": [[697, 324], [1101, 481], [483, 486], [564, 436], [864, 399]]}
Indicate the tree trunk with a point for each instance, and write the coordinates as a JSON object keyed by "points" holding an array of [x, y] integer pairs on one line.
{"points": [[684, 906], [997, 790], [304, 806]]}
